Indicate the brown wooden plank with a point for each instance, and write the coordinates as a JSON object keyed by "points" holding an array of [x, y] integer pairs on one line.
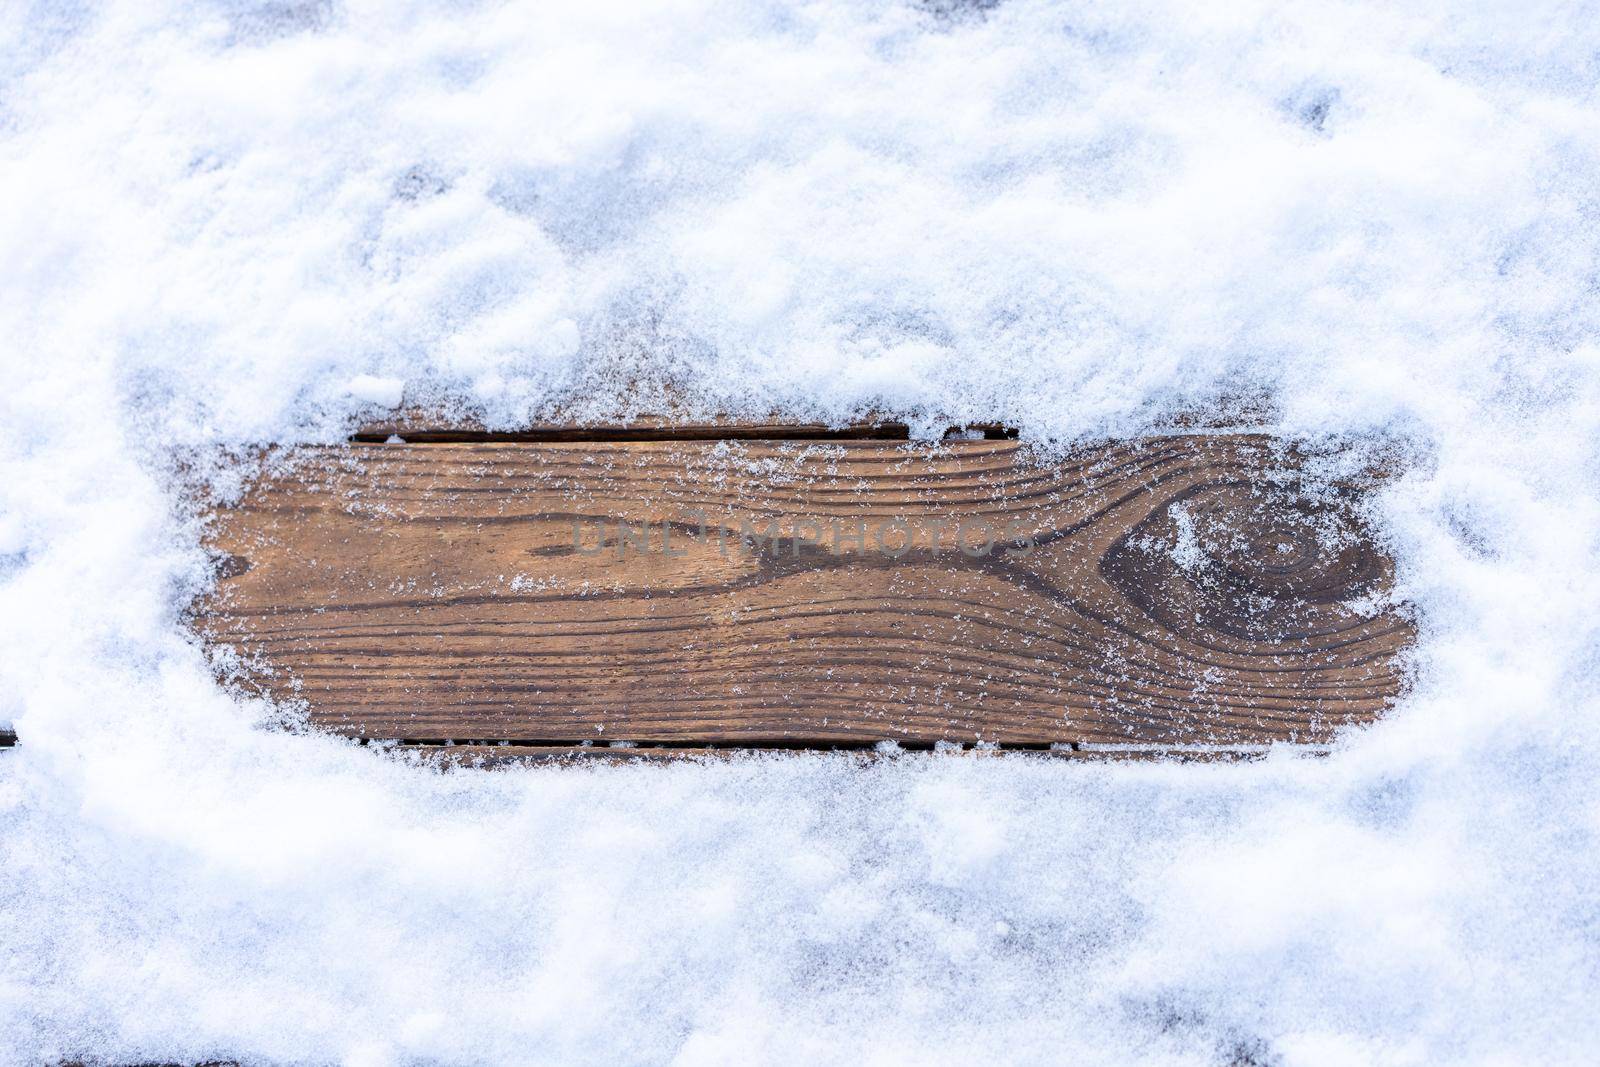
{"points": [[1178, 590]]}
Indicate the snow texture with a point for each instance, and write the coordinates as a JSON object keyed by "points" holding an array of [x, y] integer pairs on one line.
{"points": [[234, 222]]}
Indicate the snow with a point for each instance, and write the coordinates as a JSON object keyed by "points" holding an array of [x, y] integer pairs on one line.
{"points": [[233, 223], [384, 392]]}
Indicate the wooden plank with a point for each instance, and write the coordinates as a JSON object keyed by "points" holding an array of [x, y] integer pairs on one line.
{"points": [[1179, 590]]}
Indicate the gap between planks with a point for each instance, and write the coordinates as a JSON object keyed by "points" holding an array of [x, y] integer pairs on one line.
{"points": [[490, 754], [427, 432]]}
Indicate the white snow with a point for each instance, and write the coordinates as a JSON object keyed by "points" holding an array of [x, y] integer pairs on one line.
{"points": [[234, 222], [384, 392]]}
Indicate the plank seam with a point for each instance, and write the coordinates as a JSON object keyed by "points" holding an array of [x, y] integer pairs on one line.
{"points": [[887, 431]]}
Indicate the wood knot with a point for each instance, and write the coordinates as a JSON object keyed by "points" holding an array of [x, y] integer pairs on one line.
{"points": [[1252, 563]]}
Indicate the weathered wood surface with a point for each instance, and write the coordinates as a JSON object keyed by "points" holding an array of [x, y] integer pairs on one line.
{"points": [[1172, 591]]}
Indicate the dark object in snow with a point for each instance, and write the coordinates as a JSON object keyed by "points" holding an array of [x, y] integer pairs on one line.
{"points": [[682, 586]]}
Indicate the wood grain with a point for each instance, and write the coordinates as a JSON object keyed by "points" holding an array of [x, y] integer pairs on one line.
{"points": [[1171, 591]]}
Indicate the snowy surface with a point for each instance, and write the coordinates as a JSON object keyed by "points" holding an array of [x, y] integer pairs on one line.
{"points": [[234, 222]]}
